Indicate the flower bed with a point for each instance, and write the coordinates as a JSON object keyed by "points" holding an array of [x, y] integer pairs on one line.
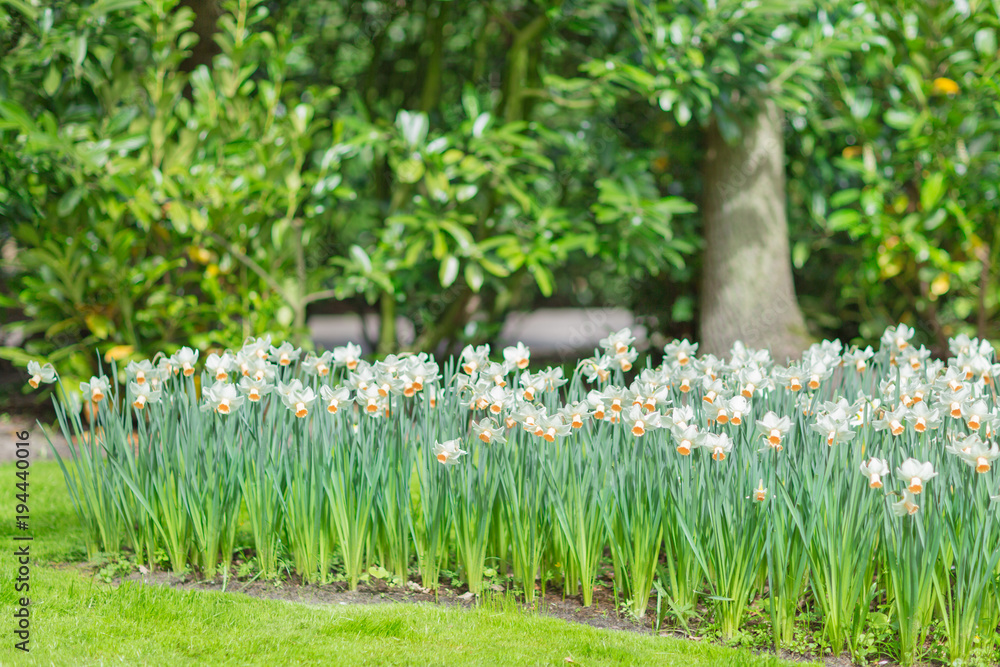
{"points": [[857, 481]]}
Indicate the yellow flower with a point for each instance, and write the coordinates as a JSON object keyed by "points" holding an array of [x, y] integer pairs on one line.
{"points": [[945, 86]]}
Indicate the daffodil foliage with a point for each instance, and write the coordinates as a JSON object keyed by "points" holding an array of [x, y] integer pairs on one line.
{"points": [[852, 479]]}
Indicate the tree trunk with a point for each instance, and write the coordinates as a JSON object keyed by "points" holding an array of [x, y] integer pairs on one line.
{"points": [[747, 292]]}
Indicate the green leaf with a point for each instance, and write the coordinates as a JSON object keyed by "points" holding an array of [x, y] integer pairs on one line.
{"points": [[843, 220], [543, 277], [899, 119], [52, 80], [448, 271], [931, 191], [410, 170], [474, 276], [68, 202], [99, 325]]}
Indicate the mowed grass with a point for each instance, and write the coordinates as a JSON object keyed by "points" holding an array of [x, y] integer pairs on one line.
{"points": [[77, 620]]}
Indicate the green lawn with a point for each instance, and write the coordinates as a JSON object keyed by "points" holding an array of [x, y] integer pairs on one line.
{"points": [[78, 621]]}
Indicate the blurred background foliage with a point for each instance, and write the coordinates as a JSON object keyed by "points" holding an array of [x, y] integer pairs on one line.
{"points": [[190, 173]]}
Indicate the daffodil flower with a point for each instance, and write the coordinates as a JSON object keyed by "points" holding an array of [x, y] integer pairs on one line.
{"points": [[687, 438], [754, 380], [596, 368], [254, 389], [907, 505], [973, 451], [144, 394], [897, 337], [738, 407], [977, 414], [875, 470], [40, 373], [448, 452], [617, 343], [256, 347], [922, 418], [552, 426], [488, 431], [296, 397], [858, 358], [638, 421], [219, 366], [222, 397], [335, 398], [682, 415], [915, 474], [760, 493], [139, 370], [347, 356], [575, 413], [834, 427], [892, 420], [517, 356], [97, 388], [774, 429], [680, 351], [719, 444], [284, 354], [370, 400], [474, 358], [790, 378], [318, 365], [185, 359], [713, 388]]}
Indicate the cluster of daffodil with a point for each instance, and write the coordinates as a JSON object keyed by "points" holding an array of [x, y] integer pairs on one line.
{"points": [[850, 478]]}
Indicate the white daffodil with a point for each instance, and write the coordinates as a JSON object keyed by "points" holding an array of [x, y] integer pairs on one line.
{"points": [[220, 366], [222, 397], [922, 418], [897, 337], [96, 389], [596, 368], [318, 365], [335, 398], [974, 452], [875, 469], [40, 373], [448, 452], [906, 505], [517, 356], [774, 429], [474, 358], [760, 493], [549, 427], [284, 354], [858, 358], [834, 427], [144, 394], [254, 389], [296, 397], [719, 444], [617, 343], [687, 438], [638, 421], [892, 420], [185, 359], [140, 371], [915, 474], [256, 347], [738, 407], [575, 413], [347, 356], [487, 430], [680, 351]]}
